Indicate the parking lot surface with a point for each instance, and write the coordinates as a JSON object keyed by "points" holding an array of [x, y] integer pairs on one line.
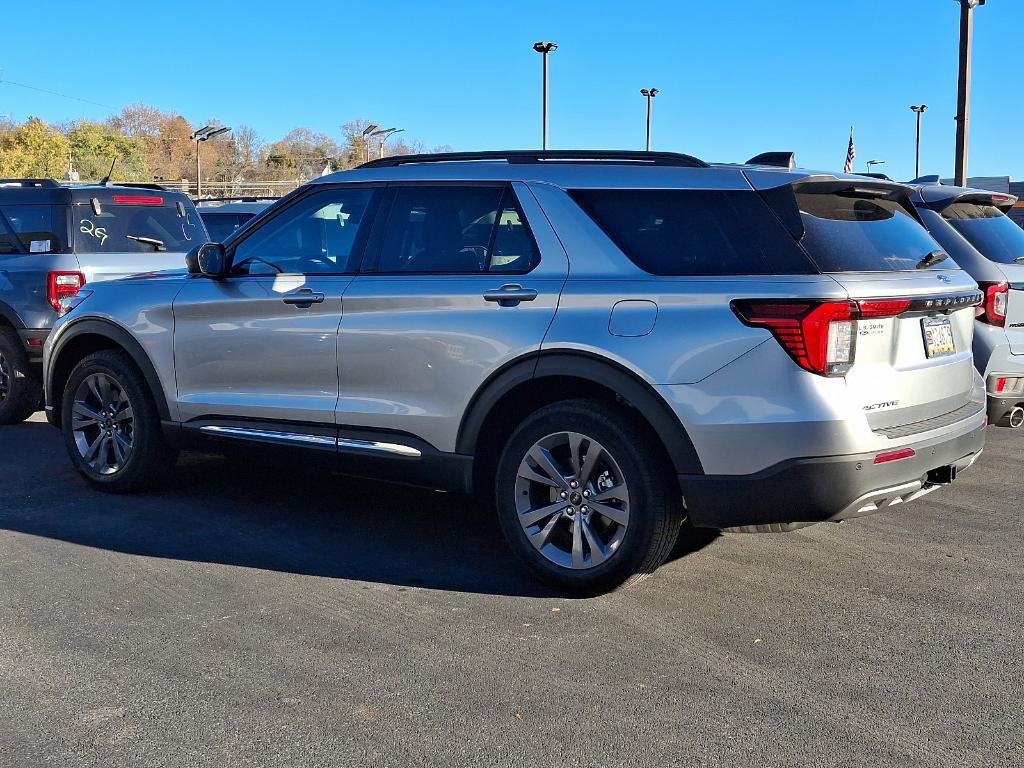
{"points": [[256, 613]]}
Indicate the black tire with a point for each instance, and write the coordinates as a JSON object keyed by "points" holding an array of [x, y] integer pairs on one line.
{"points": [[20, 386], [655, 510], [150, 458]]}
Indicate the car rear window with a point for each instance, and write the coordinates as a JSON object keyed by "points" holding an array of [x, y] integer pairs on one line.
{"points": [[124, 217], [40, 228], [851, 231], [988, 229], [220, 225], [694, 232]]}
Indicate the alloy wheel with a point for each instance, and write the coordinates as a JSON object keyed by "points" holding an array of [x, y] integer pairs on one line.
{"points": [[573, 500], [103, 423]]}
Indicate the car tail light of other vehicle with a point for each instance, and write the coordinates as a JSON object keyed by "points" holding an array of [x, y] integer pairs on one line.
{"points": [[61, 286], [993, 310], [137, 200], [820, 336]]}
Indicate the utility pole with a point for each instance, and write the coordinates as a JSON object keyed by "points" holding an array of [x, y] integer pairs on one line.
{"points": [[963, 101], [650, 93], [544, 49], [920, 110]]}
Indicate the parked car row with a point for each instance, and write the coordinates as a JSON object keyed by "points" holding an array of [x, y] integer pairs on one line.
{"points": [[602, 345]]}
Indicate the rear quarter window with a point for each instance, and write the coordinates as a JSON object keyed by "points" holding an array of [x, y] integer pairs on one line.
{"points": [[39, 228], [694, 232], [854, 232]]}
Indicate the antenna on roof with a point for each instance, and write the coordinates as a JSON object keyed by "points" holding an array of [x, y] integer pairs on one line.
{"points": [[105, 181]]}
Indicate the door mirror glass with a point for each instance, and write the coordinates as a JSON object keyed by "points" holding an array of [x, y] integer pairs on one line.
{"points": [[209, 259]]}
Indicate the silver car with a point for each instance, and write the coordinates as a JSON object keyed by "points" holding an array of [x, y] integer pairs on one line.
{"points": [[602, 344], [972, 225]]}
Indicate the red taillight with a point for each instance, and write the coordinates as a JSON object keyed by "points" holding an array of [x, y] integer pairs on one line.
{"points": [[812, 332], [60, 285], [137, 200], [899, 453], [1000, 385], [993, 310], [883, 307]]}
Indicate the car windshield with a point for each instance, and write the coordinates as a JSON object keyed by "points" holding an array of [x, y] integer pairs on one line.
{"points": [[136, 223], [851, 231], [989, 230]]}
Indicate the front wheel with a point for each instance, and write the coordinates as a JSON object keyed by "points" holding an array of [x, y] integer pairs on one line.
{"points": [[111, 426], [585, 500]]}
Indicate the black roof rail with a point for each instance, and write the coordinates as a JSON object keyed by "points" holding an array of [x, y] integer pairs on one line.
{"points": [[142, 185], [525, 157], [49, 183], [774, 159], [235, 199]]}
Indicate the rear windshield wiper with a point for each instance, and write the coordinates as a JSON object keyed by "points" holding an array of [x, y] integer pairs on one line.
{"points": [[157, 244], [932, 259]]}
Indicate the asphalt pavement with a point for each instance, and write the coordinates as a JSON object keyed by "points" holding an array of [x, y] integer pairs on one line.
{"points": [[257, 613]]}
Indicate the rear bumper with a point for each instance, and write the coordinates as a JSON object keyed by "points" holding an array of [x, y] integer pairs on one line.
{"points": [[33, 339], [815, 490]]}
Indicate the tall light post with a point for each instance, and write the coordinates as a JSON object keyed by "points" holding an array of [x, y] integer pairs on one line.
{"points": [[963, 98], [872, 163], [650, 93], [384, 135], [205, 133], [920, 110], [367, 132], [544, 49]]}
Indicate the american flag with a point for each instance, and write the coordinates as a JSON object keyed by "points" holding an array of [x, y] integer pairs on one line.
{"points": [[851, 155]]}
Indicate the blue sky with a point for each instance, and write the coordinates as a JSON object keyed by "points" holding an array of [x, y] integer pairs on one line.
{"points": [[737, 77]]}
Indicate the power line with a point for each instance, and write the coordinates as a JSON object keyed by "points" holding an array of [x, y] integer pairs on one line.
{"points": [[56, 93]]}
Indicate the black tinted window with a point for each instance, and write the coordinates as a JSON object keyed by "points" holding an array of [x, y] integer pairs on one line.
{"points": [[989, 230], [40, 228], [854, 232], [694, 232], [220, 225], [317, 234], [124, 218], [450, 229]]}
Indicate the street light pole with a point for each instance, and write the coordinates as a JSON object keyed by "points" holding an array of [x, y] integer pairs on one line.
{"points": [[920, 110], [367, 132], [544, 49], [650, 93], [963, 100], [204, 134], [384, 135], [872, 163]]}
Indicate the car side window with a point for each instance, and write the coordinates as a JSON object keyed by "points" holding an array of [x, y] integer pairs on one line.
{"points": [[452, 229], [514, 249], [36, 226], [316, 235]]}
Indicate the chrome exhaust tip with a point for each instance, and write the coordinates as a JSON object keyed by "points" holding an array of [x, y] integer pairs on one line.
{"points": [[1016, 418]]}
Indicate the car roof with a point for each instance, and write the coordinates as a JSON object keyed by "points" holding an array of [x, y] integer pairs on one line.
{"points": [[240, 206], [52, 192]]}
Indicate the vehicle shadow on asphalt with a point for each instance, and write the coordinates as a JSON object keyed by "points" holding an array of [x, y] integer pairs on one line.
{"points": [[259, 511]]}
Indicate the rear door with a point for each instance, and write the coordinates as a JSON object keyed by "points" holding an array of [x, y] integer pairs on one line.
{"points": [[1001, 241], [121, 232], [460, 279], [913, 360]]}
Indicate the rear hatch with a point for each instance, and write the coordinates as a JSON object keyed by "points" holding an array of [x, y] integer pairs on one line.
{"points": [[119, 232], [911, 367], [981, 219]]}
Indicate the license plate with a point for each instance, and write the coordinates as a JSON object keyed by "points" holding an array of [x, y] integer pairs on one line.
{"points": [[938, 336]]}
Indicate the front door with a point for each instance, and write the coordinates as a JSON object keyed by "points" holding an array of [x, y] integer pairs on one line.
{"points": [[461, 279], [262, 342]]}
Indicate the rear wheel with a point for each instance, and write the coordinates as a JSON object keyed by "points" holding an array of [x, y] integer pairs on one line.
{"points": [[111, 426], [20, 387], [584, 501]]}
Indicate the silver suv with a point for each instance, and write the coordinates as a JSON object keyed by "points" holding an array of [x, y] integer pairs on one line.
{"points": [[604, 344], [54, 239]]}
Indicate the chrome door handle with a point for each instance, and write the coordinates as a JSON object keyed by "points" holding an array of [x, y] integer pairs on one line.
{"points": [[510, 295], [304, 299]]}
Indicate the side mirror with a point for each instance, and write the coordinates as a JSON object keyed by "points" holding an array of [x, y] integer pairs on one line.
{"points": [[208, 259]]}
